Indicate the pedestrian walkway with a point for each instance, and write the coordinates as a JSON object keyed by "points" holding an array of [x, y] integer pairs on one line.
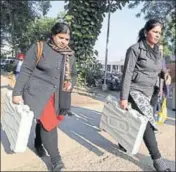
{"points": [[84, 147]]}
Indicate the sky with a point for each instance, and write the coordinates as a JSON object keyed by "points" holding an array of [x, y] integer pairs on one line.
{"points": [[124, 28]]}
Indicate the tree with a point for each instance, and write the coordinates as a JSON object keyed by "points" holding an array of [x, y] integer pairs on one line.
{"points": [[15, 17], [39, 29], [165, 11], [85, 18]]}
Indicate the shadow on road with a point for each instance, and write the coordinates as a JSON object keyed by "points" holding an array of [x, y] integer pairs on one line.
{"points": [[84, 128], [6, 146], [99, 95]]}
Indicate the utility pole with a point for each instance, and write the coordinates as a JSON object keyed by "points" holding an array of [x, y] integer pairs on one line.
{"points": [[104, 86]]}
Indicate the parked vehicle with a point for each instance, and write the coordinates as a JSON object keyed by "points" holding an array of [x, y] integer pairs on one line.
{"points": [[93, 77], [5, 63], [113, 81]]}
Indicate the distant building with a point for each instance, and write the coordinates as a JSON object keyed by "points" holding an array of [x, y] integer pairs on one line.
{"points": [[113, 66]]}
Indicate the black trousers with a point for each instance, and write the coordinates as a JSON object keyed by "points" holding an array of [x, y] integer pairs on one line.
{"points": [[150, 142], [49, 139], [149, 136]]}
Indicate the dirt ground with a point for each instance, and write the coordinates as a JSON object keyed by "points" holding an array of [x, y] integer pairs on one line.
{"points": [[84, 147]]}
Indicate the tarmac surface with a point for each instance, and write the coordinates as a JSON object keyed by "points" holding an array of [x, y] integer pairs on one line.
{"points": [[83, 146]]}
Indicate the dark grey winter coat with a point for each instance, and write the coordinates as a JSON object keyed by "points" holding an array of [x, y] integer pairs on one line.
{"points": [[36, 83], [141, 70]]}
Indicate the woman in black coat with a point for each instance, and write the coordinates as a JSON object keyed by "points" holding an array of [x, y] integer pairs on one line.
{"points": [[45, 85]]}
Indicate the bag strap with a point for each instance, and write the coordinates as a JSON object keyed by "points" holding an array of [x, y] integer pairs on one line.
{"points": [[39, 50]]}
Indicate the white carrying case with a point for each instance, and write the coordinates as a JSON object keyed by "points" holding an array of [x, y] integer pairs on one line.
{"points": [[16, 122], [125, 126]]}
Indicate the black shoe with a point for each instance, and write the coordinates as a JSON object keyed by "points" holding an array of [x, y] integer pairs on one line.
{"points": [[66, 113], [69, 113], [121, 148], [159, 165], [58, 166], [40, 151]]}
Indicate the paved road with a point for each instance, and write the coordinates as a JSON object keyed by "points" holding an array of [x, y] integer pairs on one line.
{"points": [[85, 148]]}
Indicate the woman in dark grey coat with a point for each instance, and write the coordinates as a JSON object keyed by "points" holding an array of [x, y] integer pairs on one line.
{"points": [[45, 85], [143, 63]]}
